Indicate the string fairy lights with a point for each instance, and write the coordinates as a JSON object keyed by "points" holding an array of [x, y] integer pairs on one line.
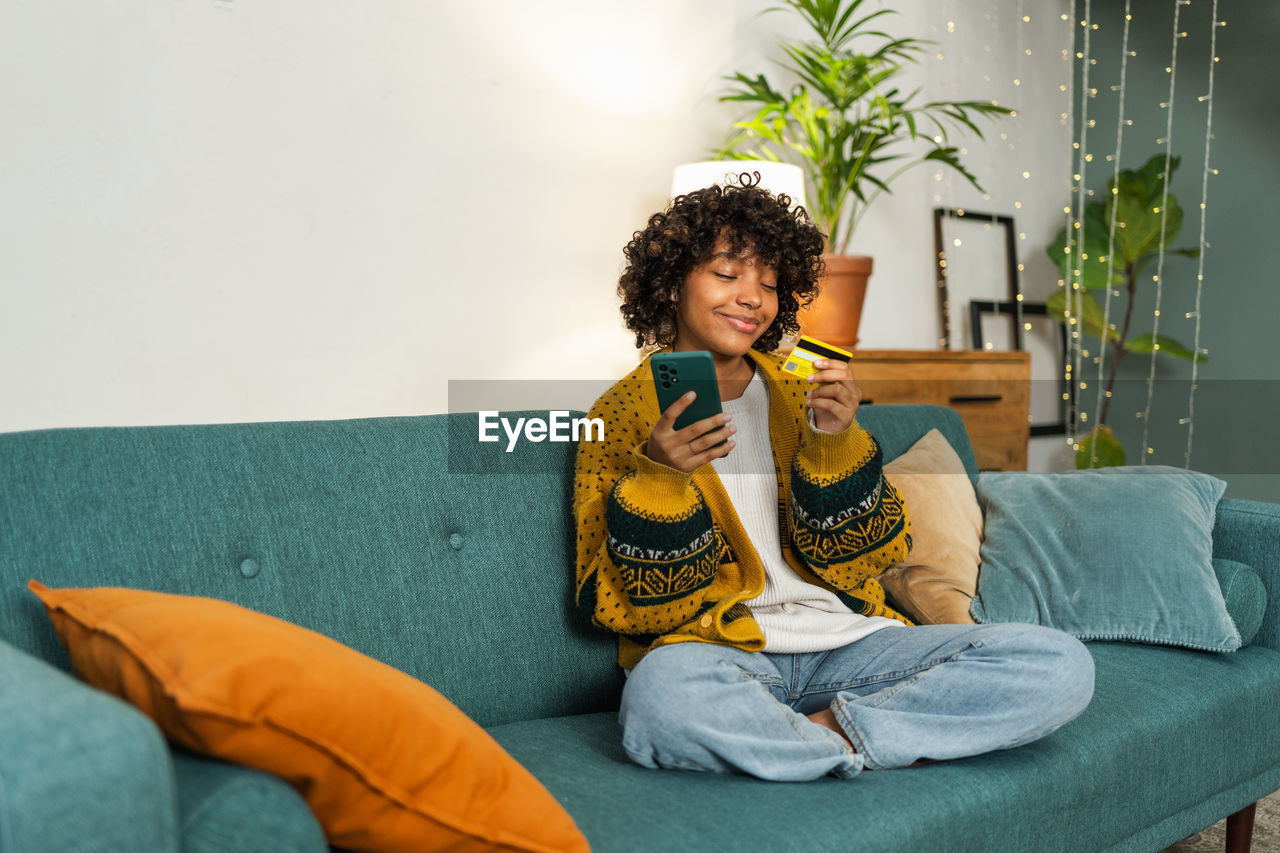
{"points": [[1074, 303], [1004, 79], [1189, 420], [1172, 70], [1019, 42], [1072, 335], [1011, 181], [955, 26], [1077, 223], [1111, 235]]}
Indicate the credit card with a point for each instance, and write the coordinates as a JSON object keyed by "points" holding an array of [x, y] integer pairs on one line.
{"points": [[807, 351]]}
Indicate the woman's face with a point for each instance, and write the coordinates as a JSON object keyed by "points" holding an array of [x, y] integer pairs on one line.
{"points": [[726, 304]]}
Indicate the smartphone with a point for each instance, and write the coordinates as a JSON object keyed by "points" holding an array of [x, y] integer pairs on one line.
{"points": [[677, 373]]}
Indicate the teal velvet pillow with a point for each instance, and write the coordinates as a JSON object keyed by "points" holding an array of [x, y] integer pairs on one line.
{"points": [[1109, 554]]}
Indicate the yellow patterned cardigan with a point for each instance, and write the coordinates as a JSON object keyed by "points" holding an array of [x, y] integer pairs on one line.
{"points": [[662, 556]]}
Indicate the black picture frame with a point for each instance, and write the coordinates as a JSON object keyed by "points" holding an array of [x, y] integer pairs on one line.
{"points": [[1016, 313], [983, 285]]}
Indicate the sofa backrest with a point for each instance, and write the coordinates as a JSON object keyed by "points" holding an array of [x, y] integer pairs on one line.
{"points": [[404, 538]]}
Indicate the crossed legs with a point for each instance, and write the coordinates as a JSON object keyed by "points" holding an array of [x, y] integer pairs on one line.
{"points": [[899, 695]]}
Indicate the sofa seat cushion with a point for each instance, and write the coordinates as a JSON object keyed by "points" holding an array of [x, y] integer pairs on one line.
{"points": [[1102, 782], [225, 808]]}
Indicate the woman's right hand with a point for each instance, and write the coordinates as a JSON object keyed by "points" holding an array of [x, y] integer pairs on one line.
{"points": [[689, 448]]}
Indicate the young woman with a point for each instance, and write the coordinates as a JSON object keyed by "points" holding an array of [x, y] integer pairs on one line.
{"points": [[736, 559]]}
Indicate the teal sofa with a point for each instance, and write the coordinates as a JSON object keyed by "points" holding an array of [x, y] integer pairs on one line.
{"points": [[411, 542]]}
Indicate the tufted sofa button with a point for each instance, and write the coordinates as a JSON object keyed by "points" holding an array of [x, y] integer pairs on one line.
{"points": [[455, 541], [250, 568]]}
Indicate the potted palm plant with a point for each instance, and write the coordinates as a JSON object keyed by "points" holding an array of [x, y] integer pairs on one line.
{"points": [[844, 121]]}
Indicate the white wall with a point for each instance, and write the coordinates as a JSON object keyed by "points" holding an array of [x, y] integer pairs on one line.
{"points": [[226, 210]]}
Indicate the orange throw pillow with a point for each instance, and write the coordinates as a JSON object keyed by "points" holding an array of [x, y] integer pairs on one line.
{"points": [[385, 762]]}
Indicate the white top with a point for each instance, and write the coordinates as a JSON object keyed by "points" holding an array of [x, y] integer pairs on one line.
{"points": [[795, 615]]}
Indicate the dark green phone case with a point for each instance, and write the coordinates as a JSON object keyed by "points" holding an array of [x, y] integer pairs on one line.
{"points": [[677, 373]]}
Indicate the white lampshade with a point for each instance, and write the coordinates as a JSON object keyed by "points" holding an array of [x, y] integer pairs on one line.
{"points": [[777, 178]]}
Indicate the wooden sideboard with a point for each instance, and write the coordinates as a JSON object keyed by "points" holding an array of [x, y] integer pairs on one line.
{"points": [[991, 391]]}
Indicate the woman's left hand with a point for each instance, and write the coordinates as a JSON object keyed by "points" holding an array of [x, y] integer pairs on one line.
{"points": [[835, 395]]}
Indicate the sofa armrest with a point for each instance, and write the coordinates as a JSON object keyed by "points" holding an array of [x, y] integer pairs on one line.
{"points": [[1249, 532], [79, 770]]}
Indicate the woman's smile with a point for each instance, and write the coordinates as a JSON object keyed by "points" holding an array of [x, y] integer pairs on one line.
{"points": [[742, 322]]}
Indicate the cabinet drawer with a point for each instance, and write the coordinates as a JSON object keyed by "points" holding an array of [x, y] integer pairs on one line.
{"points": [[981, 417], [1001, 451], [990, 390]]}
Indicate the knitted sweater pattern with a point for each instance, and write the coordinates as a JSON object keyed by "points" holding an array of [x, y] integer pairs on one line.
{"points": [[662, 556]]}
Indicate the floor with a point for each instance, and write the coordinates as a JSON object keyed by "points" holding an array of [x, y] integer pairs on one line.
{"points": [[1266, 832]]}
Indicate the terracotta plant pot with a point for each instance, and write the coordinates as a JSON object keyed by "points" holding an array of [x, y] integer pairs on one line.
{"points": [[834, 316]]}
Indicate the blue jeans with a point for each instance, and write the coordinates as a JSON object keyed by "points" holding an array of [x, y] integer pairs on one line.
{"points": [[901, 694]]}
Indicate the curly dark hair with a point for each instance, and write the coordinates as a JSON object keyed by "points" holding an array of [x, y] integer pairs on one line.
{"points": [[754, 221]]}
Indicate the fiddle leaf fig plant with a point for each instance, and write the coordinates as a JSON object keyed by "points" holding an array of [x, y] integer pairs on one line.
{"points": [[845, 120], [1142, 227]]}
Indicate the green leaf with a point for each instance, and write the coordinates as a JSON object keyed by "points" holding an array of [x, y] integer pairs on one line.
{"points": [[951, 157], [1143, 219], [1140, 204], [1087, 311], [1147, 182], [846, 33], [1168, 346], [1093, 260], [1101, 449], [1153, 174]]}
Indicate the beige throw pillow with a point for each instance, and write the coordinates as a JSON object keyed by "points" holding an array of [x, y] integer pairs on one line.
{"points": [[939, 578]]}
